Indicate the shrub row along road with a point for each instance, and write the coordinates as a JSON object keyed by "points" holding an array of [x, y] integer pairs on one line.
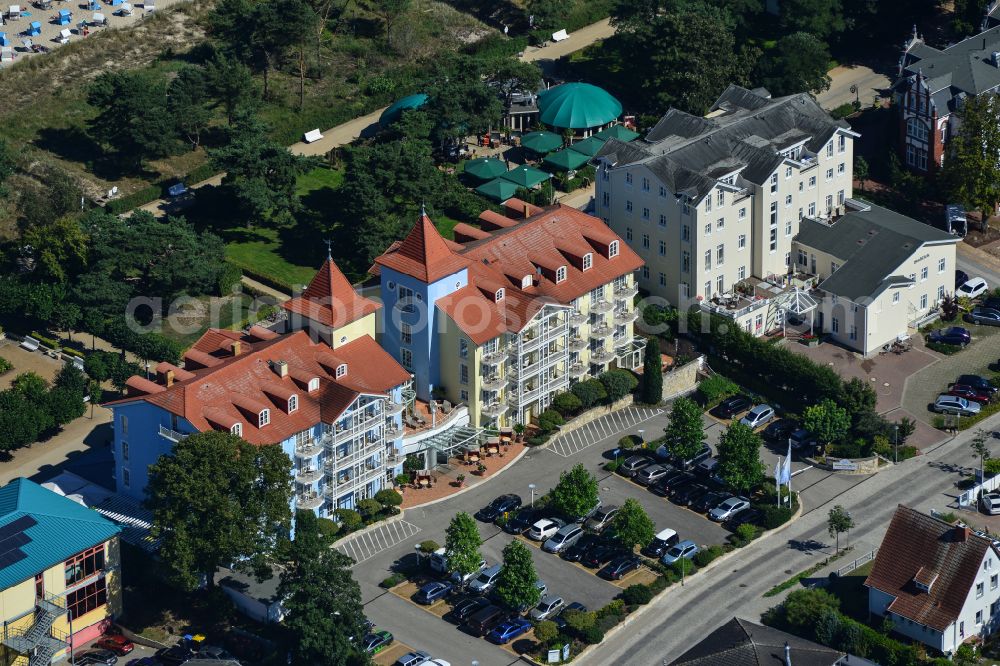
{"points": [[735, 587]]}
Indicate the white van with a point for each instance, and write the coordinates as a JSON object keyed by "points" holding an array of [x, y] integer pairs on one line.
{"points": [[439, 563]]}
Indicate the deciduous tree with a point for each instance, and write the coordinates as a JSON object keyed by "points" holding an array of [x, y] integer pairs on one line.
{"points": [[839, 521], [827, 421], [798, 63], [685, 431], [576, 492], [515, 586], [739, 458], [461, 543], [632, 526], [971, 173], [218, 499]]}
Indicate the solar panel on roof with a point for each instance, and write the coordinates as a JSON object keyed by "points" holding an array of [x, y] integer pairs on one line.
{"points": [[19, 525], [14, 541], [12, 557]]}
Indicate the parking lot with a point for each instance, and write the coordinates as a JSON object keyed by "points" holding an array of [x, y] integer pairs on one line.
{"points": [[368, 544], [605, 429]]}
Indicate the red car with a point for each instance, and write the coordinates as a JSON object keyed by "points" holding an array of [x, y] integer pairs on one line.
{"points": [[970, 393], [116, 643]]}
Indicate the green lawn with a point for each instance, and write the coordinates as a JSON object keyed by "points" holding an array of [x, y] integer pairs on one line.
{"points": [[228, 312], [259, 251], [317, 179], [445, 225]]}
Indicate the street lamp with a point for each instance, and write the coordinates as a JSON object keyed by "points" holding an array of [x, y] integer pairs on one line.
{"points": [[531, 487], [895, 447], [641, 438]]}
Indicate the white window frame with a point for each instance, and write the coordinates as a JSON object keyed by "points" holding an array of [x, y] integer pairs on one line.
{"points": [[263, 418], [293, 402], [560, 274], [613, 249]]}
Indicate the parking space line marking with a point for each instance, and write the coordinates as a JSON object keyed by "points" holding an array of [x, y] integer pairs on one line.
{"points": [[369, 544], [371, 541]]}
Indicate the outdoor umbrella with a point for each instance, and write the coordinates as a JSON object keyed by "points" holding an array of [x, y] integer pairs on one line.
{"points": [[526, 176], [577, 106], [498, 189], [564, 160], [485, 168], [588, 146], [619, 132], [541, 142]]}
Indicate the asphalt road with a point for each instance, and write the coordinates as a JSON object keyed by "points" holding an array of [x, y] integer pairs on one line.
{"points": [[666, 630], [974, 267]]}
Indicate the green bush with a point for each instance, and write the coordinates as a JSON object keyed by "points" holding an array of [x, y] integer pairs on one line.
{"points": [[392, 580], [138, 198], [618, 384], [51, 343], [200, 173], [943, 348], [567, 404], [429, 546], [745, 533], [348, 519], [637, 595], [388, 497], [580, 621], [327, 528], [229, 277], [613, 607], [774, 516], [546, 631], [689, 568], [5, 366], [537, 440], [843, 111], [592, 635], [549, 420], [590, 392], [612, 466], [629, 442], [607, 623], [715, 389], [659, 584], [706, 556]]}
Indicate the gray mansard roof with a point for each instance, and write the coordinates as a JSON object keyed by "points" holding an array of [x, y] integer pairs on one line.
{"points": [[745, 131], [965, 67], [869, 244]]}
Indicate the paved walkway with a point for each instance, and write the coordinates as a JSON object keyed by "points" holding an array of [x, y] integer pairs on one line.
{"points": [[582, 38], [869, 84], [446, 478], [278, 296]]}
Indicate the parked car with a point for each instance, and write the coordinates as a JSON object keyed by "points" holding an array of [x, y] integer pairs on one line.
{"points": [[684, 550], [650, 474], [978, 382], [953, 335], [617, 568], [728, 508], [482, 621], [546, 608], [460, 580], [433, 591], [692, 462], [990, 503], [214, 653], [485, 581], [602, 518], [952, 404], [509, 629], [707, 467], [633, 464], [412, 658], [582, 545], [780, 429], [961, 277], [689, 494], [983, 316], [730, 407], [600, 555], [802, 439], [560, 619], [758, 416], [662, 542], [377, 641], [972, 287], [543, 590], [176, 654], [709, 501], [752, 516], [563, 539], [522, 521], [590, 514], [970, 393], [116, 643], [96, 657], [545, 528], [990, 303], [670, 481], [498, 507], [466, 608]]}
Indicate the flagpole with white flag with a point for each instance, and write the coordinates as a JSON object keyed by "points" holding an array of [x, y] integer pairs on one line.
{"points": [[787, 474], [777, 479]]}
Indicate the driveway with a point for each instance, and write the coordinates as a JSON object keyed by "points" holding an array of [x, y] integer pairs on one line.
{"points": [[868, 82], [933, 380]]}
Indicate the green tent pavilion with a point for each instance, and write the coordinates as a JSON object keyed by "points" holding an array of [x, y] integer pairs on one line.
{"points": [[541, 142], [619, 132], [564, 160], [577, 106], [498, 190], [588, 146], [392, 114], [485, 168], [525, 176]]}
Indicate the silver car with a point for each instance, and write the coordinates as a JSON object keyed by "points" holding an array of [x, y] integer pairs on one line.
{"points": [[602, 518], [758, 416], [990, 503], [953, 404], [563, 539], [728, 509], [546, 608]]}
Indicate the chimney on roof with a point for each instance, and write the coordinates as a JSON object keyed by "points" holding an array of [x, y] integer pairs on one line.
{"points": [[236, 347], [280, 368], [962, 533], [788, 655], [168, 378]]}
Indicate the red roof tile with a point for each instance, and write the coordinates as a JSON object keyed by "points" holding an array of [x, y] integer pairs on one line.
{"points": [[423, 254], [330, 299], [921, 548], [236, 388]]}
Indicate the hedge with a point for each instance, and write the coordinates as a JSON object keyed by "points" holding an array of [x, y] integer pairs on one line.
{"points": [[5, 366], [157, 190], [715, 389], [942, 348]]}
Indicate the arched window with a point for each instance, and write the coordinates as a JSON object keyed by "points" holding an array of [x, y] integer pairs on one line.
{"points": [[560, 274], [499, 295], [588, 261], [341, 370], [293, 403], [264, 418], [526, 282], [237, 429], [917, 129], [313, 384], [613, 249]]}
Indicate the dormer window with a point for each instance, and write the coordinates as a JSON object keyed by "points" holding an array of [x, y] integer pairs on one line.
{"points": [[293, 403], [560, 274], [526, 282], [313, 384], [588, 261], [263, 418], [237, 429], [613, 249], [341, 370], [498, 296]]}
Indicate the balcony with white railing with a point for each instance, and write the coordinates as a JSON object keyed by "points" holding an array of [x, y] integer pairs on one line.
{"points": [[394, 408], [577, 343], [495, 356], [602, 306], [601, 355], [577, 370], [623, 341], [601, 332], [494, 382], [625, 317], [626, 291], [494, 410], [172, 435], [393, 431], [308, 475], [577, 318], [310, 448], [309, 501]]}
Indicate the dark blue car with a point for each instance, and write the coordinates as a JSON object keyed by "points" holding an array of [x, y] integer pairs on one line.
{"points": [[510, 629], [953, 335], [431, 592]]}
